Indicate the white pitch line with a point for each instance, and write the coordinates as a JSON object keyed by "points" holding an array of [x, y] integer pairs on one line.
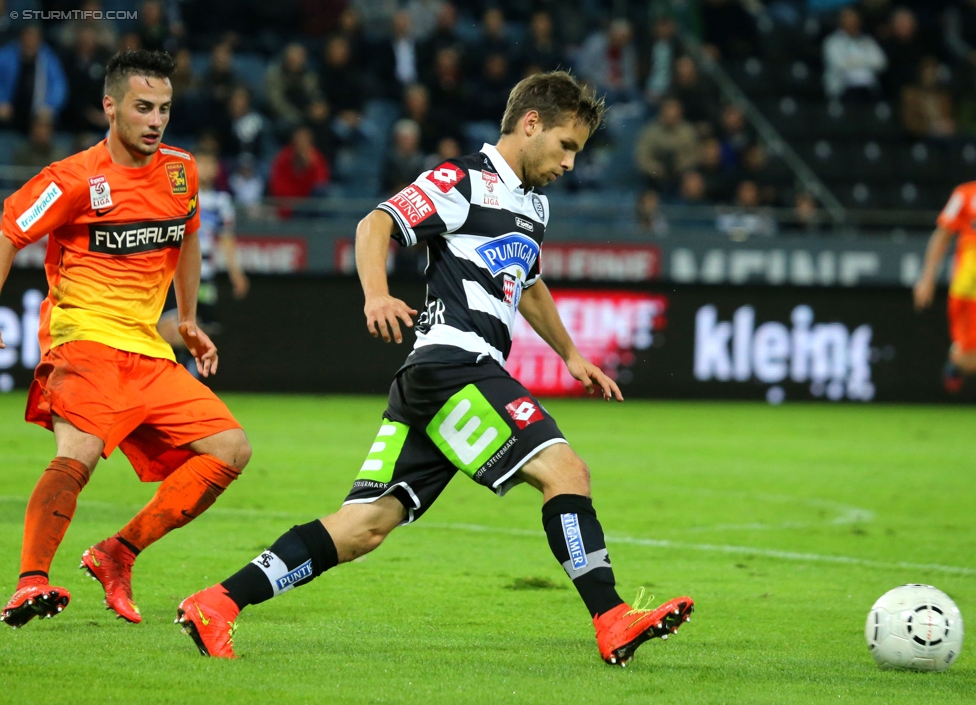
{"points": [[719, 548]]}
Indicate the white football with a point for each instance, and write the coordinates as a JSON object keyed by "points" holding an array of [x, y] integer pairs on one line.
{"points": [[917, 627]]}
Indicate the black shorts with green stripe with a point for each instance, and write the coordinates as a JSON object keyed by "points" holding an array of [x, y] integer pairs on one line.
{"points": [[445, 417]]}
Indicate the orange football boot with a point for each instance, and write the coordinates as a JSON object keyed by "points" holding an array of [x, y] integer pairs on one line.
{"points": [[37, 599], [621, 630], [208, 617], [110, 563]]}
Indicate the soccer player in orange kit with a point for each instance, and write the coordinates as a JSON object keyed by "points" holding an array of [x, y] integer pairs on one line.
{"points": [[122, 219], [957, 218]]}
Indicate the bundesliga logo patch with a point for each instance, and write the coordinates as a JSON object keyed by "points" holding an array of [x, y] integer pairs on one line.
{"points": [[490, 179], [100, 192], [177, 177], [524, 412]]}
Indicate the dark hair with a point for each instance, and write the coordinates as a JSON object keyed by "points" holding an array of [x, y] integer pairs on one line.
{"points": [[153, 64], [556, 96]]}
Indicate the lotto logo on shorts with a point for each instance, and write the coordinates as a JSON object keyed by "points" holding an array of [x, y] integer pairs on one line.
{"points": [[524, 412], [574, 541]]}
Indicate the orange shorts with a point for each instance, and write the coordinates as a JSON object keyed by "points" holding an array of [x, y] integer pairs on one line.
{"points": [[149, 407], [962, 323]]}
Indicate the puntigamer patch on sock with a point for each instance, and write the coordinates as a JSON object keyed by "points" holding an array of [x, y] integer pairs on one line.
{"points": [[574, 540], [281, 578]]}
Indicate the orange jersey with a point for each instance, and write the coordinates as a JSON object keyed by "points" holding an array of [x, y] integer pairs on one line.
{"points": [[959, 216], [115, 237]]}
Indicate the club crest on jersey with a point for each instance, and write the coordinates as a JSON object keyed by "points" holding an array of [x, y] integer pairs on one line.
{"points": [[177, 178], [512, 288], [513, 254], [100, 192], [446, 176], [539, 208]]}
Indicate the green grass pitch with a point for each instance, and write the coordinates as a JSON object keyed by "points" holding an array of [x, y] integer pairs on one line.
{"points": [[785, 524]]}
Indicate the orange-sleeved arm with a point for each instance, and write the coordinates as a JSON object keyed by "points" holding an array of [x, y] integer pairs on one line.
{"points": [[40, 206], [957, 214], [193, 182]]}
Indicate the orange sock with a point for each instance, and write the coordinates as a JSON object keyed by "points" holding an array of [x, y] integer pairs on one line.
{"points": [[49, 512], [181, 497]]}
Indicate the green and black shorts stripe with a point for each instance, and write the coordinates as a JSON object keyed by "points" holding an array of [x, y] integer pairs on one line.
{"points": [[442, 418]]}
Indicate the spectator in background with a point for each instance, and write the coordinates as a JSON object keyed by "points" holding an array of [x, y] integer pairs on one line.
{"points": [[299, 170], [852, 60], [735, 136], [153, 28], [719, 179], [351, 27], [608, 61], [106, 37], [746, 220], [342, 88], [448, 94], [700, 104], [7, 33], [960, 31], [444, 36], [490, 94], [665, 50], [85, 73], [130, 41], [648, 213], [190, 111], [39, 150], [755, 168], [447, 148], [806, 218], [319, 18], [904, 51], [542, 51], [396, 57], [425, 16], [247, 185], [220, 79], [32, 82], [493, 39], [692, 190], [926, 105], [242, 129], [667, 146], [416, 106], [293, 90], [404, 159], [729, 31]]}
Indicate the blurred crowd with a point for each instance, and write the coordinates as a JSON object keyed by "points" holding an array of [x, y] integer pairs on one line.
{"points": [[304, 97]]}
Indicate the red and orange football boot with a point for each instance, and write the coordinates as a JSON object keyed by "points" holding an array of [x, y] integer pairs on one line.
{"points": [[208, 617], [110, 563], [36, 599], [621, 630]]}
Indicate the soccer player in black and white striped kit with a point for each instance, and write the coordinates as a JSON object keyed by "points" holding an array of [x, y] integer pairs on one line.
{"points": [[452, 406]]}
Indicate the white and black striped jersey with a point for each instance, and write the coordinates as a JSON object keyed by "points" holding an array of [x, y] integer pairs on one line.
{"points": [[484, 234]]}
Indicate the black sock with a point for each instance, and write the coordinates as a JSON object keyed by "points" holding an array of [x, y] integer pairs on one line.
{"points": [[299, 556], [576, 540]]}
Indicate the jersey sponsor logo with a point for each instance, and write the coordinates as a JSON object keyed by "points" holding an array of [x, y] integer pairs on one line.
{"points": [[413, 205], [175, 153], [490, 179], [574, 541], [47, 198], [524, 412], [177, 177], [100, 193], [513, 254], [525, 224], [446, 176], [539, 208], [122, 239], [288, 580]]}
